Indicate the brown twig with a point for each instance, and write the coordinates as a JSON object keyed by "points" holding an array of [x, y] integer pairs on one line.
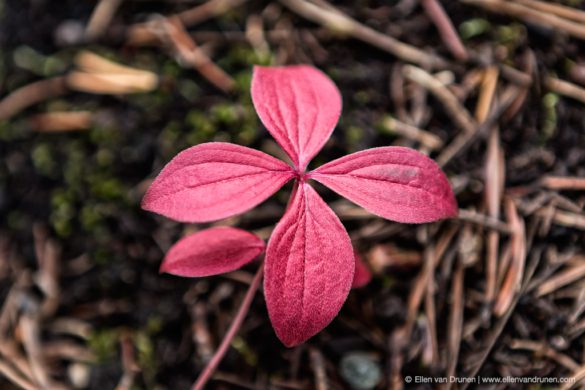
{"points": [[318, 365], [428, 139], [563, 278], [494, 176], [11, 374], [455, 325], [513, 280], [100, 18], [30, 95], [465, 139], [563, 183], [565, 88], [483, 220], [560, 10], [332, 18], [143, 34], [449, 35], [544, 350], [188, 52], [458, 113], [532, 15]]}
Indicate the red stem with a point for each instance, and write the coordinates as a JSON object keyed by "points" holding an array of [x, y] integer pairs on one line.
{"points": [[232, 331]]}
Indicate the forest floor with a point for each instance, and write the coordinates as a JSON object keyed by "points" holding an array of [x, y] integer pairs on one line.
{"points": [[493, 90]]}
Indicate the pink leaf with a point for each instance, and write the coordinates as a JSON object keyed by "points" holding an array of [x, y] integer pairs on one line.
{"points": [[212, 251], [299, 105], [362, 274], [309, 268], [393, 182], [215, 180]]}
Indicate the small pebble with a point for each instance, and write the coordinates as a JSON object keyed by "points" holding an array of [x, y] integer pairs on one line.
{"points": [[360, 370], [69, 33], [79, 374]]}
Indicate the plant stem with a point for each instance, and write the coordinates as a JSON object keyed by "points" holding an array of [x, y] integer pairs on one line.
{"points": [[232, 331]]}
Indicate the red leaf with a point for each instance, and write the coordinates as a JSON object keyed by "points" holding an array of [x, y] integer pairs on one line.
{"points": [[212, 251], [309, 268], [362, 274], [215, 180], [393, 182], [299, 105]]}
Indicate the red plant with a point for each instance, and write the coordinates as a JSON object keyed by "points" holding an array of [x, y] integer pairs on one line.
{"points": [[310, 264], [218, 250]]}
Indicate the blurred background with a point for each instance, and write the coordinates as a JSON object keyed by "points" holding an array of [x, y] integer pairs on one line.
{"points": [[96, 96]]}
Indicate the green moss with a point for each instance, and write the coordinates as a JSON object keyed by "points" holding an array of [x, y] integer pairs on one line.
{"points": [[511, 35], [549, 126], [90, 217], [146, 355], [18, 221], [225, 113], [361, 97], [243, 82], [25, 57], [104, 158], [201, 127], [107, 188], [104, 344], [43, 160], [14, 130], [353, 136], [474, 27], [240, 345], [189, 90]]}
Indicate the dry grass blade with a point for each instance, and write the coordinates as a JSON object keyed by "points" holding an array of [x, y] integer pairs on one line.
{"points": [[531, 15], [449, 35], [515, 273], [62, 121], [111, 84], [454, 108], [485, 101], [330, 17], [102, 76], [427, 139], [563, 183], [30, 95], [89, 62], [563, 278]]}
